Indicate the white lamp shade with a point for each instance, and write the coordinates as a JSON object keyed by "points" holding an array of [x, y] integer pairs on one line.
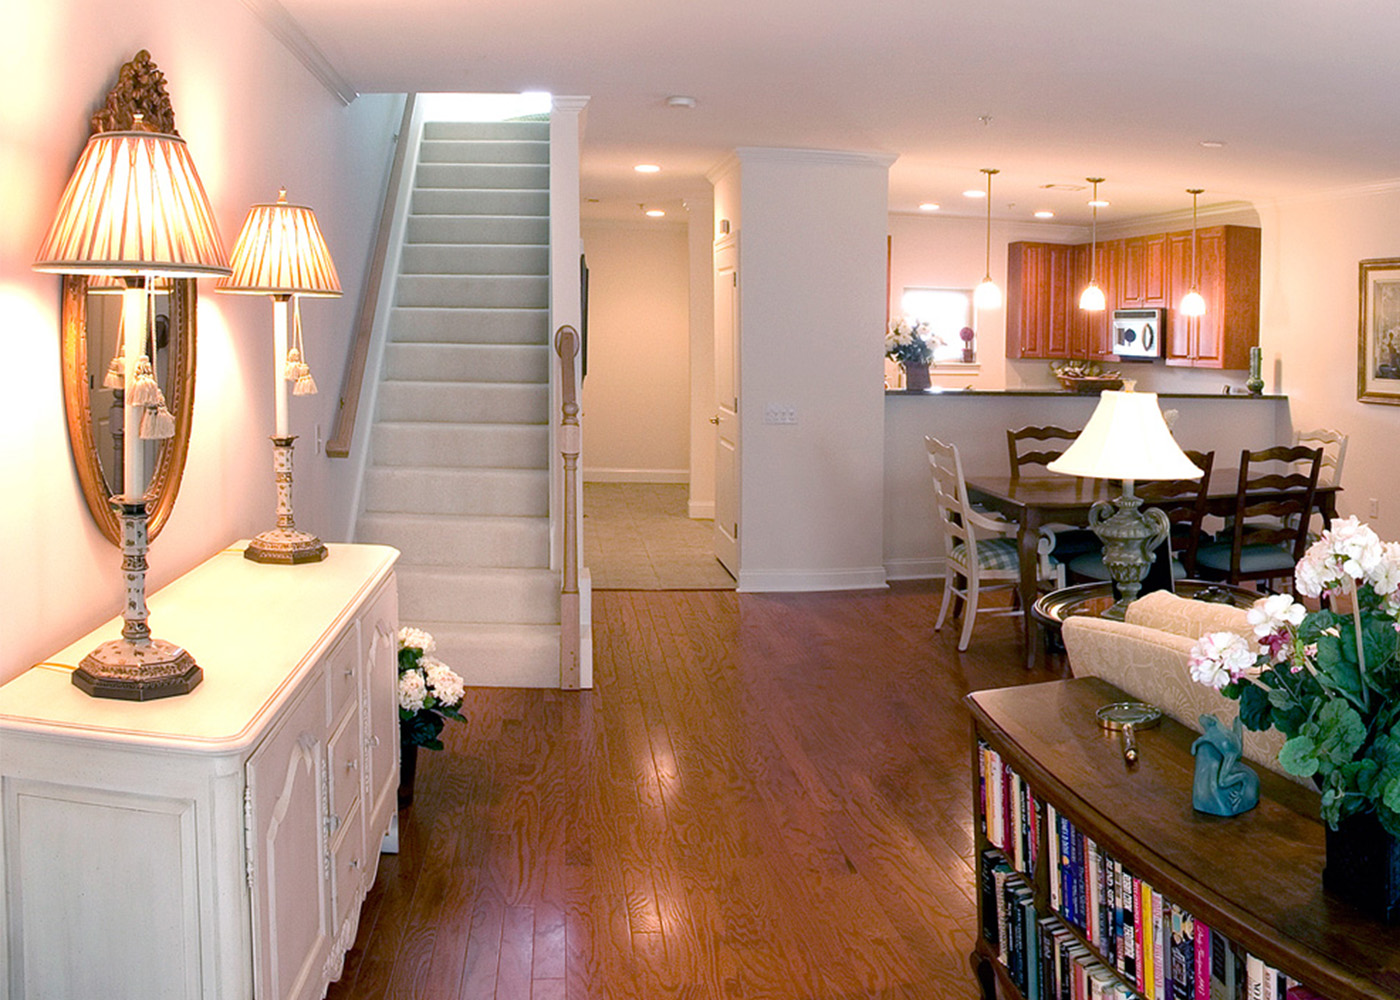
{"points": [[1126, 438], [134, 205], [987, 295], [1092, 300], [1193, 303], [281, 252]]}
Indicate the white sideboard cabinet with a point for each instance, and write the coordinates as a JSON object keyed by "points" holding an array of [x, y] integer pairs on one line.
{"points": [[216, 845]]}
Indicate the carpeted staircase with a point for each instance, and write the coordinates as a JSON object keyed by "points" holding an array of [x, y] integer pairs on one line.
{"points": [[458, 471]]}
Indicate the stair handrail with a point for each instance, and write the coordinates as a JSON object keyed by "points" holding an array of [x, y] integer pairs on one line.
{"points": [[338, 445], [566, 346]]}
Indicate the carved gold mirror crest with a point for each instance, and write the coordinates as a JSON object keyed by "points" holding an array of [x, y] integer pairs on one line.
{"points": [[91, 324]]}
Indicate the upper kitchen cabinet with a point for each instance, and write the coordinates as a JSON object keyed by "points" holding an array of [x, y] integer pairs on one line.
{"points": [[1091, 333], [1037, 301], [1143, 279], [1227, 267]]}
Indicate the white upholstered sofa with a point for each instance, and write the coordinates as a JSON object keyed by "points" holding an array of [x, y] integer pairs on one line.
{"points": [[1147, 655]]}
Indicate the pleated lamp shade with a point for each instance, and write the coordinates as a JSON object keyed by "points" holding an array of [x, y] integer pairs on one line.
{"points": [[134, 205], [1126, 438], [281, 252]]}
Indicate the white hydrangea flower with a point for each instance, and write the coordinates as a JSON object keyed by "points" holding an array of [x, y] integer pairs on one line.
{"points": [[1221, 657], [1274, 614], [446, 685], [417, 638], [1384, 577], [413, 690]]}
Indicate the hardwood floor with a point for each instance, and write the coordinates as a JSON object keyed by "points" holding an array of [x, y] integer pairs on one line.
{"points": [[763, 797]]}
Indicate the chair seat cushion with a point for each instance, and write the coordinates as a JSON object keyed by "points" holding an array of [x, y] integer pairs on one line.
{"points": [[1253, 558], [992, 553], [1071, 542], [1090, 565]]}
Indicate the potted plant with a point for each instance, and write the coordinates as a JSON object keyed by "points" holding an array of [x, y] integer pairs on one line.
{"points": [[430, 693], [907, 342], [1329, 680]]}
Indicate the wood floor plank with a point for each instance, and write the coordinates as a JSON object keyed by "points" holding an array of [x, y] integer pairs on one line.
{"points": [[763, 796]]}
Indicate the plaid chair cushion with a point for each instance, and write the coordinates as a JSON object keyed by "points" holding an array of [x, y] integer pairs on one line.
{"points": [[992, 553]]}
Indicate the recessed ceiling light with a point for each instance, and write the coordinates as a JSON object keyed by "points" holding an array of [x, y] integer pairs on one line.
{"points": [[974, 193], [680, 101], [1212, 144], [647, 168], [1045, 213], [1097, 203], [655, 213], [930, 206]]}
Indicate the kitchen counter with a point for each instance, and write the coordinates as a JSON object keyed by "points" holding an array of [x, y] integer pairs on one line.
{"points": [[1065, 393]]}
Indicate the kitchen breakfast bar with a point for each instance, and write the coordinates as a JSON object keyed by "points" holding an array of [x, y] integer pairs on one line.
{"points": [[977, 420]]}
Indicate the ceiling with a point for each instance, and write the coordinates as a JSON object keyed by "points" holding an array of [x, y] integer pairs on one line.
{"points": [[1303, 93]]}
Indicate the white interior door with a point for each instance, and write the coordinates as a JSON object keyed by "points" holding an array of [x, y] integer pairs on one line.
{"points": [[727, 405]]}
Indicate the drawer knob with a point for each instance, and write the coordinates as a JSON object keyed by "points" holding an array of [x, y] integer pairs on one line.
{"points": [[351, 764], [333, 821], [354, 864], [373, 741], [349, 672]]}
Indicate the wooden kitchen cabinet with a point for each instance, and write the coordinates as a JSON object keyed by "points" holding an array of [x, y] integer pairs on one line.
{"points": [[217, 845], [1038, 303], [1227, 266], [1044, 280]]}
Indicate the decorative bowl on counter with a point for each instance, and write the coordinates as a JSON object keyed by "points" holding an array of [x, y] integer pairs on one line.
{"points": [[1090, 384]]}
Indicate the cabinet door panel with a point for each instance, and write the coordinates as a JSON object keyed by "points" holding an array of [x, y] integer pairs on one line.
{"points": [[1134, 252], [286, 781], [1057, 312], [1154, 267], [380, 629], [1209, 341]]}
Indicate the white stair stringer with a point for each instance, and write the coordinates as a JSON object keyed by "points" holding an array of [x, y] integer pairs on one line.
{"points": [[458, 474]]}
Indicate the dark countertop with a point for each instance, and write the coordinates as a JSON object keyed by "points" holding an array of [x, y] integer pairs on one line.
{"points": [[940, 391]]}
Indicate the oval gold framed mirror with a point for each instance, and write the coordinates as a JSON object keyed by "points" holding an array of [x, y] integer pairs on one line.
{"points": [[91, 330]]}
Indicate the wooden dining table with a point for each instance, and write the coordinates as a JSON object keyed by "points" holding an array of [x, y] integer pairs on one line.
{"points": [[1035, 501]]}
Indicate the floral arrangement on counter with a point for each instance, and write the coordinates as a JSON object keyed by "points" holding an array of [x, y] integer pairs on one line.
{"points": [[1328, 680], [908, 342], [430, 692]]}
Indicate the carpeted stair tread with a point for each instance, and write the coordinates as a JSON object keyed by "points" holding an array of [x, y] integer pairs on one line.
{"points": [[433, 324], [408, 490], [523, 656], [487, 291], [428, 445], [499, 541], [463, 402], [475, 259], [467, 362]]}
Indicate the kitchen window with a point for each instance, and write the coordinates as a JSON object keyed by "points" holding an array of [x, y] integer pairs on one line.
{"points": [[947, 311]]}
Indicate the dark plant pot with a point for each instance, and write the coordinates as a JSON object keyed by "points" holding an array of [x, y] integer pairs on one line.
{"points": [[916, 377], [408, 770], [1363, 866]]}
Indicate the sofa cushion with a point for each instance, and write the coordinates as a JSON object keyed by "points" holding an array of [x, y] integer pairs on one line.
{"points": [[1165, 611]]}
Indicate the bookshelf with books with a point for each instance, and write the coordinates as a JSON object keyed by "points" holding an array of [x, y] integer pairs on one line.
{"points": [[1098, 881]]}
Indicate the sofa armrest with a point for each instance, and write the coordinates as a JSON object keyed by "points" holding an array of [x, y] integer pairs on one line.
{"points": [[1151, 666]]}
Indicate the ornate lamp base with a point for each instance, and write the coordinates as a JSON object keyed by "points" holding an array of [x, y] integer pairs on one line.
{"points": [[286, 546], [1129, 536], [133, 671]]}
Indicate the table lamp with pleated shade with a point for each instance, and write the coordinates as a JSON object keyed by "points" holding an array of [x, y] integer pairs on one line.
{"points": [[281, 253], [1126, 438], [134, 209]]}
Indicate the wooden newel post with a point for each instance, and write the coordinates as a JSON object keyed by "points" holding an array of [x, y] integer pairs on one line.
{"points": [[566, 345]]}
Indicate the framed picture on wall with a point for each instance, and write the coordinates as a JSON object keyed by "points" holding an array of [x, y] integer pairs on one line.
{"points": [[1378, 332]]}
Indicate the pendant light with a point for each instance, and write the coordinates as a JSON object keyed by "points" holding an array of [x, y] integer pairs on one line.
{"points": [[987, 294], [1092, 299], [1193, 303]]}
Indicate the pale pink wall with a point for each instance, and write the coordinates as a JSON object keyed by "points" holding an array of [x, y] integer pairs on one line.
{"points": [[636, 396], [254, 119], [1308, 322]]}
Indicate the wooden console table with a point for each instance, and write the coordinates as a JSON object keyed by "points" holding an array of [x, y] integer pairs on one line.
{"points": [[1256, 879], [216, 845]]}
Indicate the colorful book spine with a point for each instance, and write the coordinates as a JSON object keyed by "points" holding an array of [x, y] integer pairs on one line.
{"points": [[1052, 853], [1131, 938], [1202, 991], [1161, 950], [1144, 941], [1254, 978]]}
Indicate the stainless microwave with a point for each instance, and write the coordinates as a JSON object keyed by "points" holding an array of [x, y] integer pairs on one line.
{"points": [[1138, 333]]}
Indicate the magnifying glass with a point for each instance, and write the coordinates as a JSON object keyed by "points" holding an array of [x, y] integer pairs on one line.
{"points": [[1128, 717]]}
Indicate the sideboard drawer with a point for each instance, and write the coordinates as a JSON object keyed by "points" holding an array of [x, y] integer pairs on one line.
{"points": [[343, 665], [346, 759]]}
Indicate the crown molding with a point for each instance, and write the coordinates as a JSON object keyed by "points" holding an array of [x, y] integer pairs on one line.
{"points": [[283, 27]]}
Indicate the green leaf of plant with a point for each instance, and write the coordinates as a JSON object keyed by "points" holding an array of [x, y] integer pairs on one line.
{"points": [[1390, 820], [1340, 732], [1255, 710], [1299, 756], [1391, 794], [1336, 660]]}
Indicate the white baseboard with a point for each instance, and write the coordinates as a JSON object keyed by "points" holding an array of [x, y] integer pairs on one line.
{"points": [[927, 568], [795, 581], [701, 510], [636, 475]]}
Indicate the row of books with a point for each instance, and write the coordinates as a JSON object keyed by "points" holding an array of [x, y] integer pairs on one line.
{"points": [[1162, 950], [1042, 956], [1010, 810]]}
